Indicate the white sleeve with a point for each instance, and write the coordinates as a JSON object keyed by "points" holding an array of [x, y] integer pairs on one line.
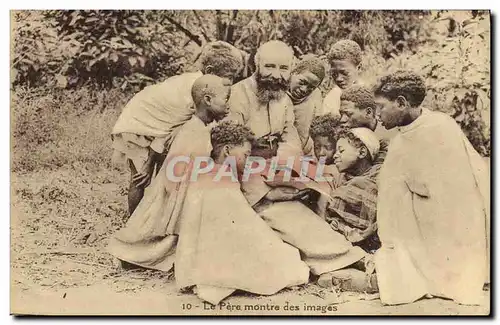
{"points": [[331, 103]]}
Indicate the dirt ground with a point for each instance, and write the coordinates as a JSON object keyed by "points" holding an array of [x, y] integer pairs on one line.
{"points": [[60, 221]]}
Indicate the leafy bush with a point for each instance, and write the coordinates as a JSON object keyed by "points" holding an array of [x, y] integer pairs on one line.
{"points": [[406, 30], [456, 65], [33, 50], [130, 49], [127, 49], [315, 31]]}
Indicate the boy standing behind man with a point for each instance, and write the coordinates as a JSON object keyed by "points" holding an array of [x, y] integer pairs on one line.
{"points": [[345, 60], [358, 110]]}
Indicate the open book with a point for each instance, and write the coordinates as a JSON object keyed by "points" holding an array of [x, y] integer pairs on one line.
{"points": [[305, 182]]}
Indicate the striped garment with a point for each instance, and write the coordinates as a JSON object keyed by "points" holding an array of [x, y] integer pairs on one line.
{"points": [[352, 209]]}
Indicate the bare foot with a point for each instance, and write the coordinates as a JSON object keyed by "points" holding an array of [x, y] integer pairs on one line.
{"points": [[349, 280]]}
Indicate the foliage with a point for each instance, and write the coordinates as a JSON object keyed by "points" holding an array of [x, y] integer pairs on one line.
{"points": [[107, 48], [315, 31], [456, 65], [406, 30], [130, 49], [126, 50], [33, 47]]}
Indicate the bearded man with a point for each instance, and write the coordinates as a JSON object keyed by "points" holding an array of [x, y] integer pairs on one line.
{"points": [[260, 102]]}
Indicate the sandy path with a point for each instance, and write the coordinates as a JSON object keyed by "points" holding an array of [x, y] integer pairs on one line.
{"points": [[102, 299]]}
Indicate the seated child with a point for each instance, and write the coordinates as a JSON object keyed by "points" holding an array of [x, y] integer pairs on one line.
{"points": [[434, 199], [323, 132], [224, 245], [352, 208], [351, 205]]}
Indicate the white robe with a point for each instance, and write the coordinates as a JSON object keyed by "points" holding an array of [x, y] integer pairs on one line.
{"points": [[153, 117], [433, 214], [150, 236], [207, 228], [224, 245]]}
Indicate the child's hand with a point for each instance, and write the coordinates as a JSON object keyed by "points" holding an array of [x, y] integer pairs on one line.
{"points": [[354, 236], [287, 194]]}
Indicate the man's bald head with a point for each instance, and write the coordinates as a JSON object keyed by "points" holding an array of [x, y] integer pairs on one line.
{"points": [[210, 93], [274, 48]]}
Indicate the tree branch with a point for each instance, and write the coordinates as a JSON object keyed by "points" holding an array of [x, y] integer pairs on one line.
{"points": [[274, 27], [245, 29], [230, 27], [298, 51], [203, 30], [193, 37], [220, 26]]}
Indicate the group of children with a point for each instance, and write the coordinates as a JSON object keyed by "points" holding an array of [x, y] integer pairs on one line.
{"points": [[411, 227]]}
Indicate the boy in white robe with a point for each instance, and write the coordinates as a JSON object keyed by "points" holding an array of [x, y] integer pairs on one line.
{"points": [[224, 245], [433, 202], [150, 236], [149, 122]]}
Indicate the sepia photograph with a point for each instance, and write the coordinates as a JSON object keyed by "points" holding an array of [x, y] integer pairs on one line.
{"points": [[250, 162]]}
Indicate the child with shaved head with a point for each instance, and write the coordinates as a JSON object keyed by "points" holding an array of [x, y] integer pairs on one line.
{"points": [[210, 96], [150, 235], [150, 121]]}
